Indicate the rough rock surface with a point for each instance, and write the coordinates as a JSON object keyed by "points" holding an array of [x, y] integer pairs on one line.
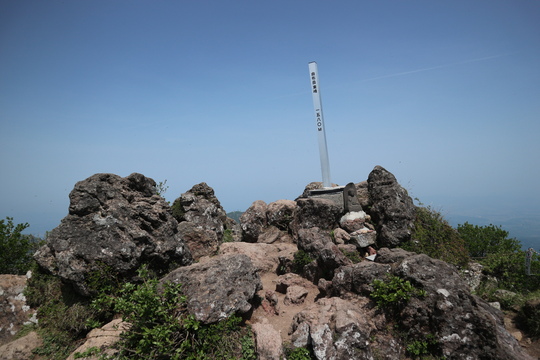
{"points": [[113, 221], [21, 349], [268, 341], [253, 221], [265, 257], [316, 212], [218, 287], [393, 209], [103, 339], [459, 320], [280, 213], [318, 243], [13, 309], [335, 328], [205, 217]]}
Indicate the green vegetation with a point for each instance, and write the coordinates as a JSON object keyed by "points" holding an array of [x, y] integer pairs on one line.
{"points": [[228, 235], [423, 349], [434, 236], [300, 353], [394, 293], [16, 249], [481, 241], [161, 188], [301, 259], [354, 256]]}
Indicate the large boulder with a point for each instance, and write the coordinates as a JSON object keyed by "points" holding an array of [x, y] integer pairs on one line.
{"points": [[218, 287], [319, 245], [463, 325], [117, 223], [316, 212], [253, 221], [205, 217], [393, 209]]}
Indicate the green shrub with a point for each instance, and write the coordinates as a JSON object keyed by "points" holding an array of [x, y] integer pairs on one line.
{"points": [[301, 259], [161, 327], [299, 353], [481, 241], [16, 249], [509, 269], [433, 236], [529, 316], [354, 256], [394, 293]]}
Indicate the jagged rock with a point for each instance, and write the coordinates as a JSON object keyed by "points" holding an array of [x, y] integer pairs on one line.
{"points": [[458, 320], [312, 186], [117, 222], [103, 338], [265, 257], [357, 278], [268, 341], [362, 193], [200, 207], [316, 212], [295, 295], [201, 242], [21, 349], [218, 287], [392, 256], [14, 313], [335, 329], [280, 213], [272, 235], [235, 230], [318, 243], [253, 221], [341, 236], [393, 210]]}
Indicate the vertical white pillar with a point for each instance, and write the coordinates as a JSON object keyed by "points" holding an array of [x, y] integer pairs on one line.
{"points": [[319, 122]]}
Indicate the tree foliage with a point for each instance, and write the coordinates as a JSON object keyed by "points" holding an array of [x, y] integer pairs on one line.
{"points": [[484, 240], [434, 237], [15, 248]]}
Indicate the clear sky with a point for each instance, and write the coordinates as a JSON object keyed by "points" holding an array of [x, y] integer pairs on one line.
{"points": [[443, 94]]}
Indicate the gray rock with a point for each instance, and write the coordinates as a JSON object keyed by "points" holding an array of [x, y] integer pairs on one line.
{"points": [[253, 221], [280, 213], [315, 212], [117, 222], [393, 210], [335, 329], [200, 207], [219, 287], [318, 243]]}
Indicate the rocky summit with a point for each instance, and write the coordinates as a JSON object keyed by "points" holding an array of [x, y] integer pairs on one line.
{"points": [[301, 273]]}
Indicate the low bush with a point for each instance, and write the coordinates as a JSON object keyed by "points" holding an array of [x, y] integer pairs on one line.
{"points": [[394, 293], [433, 236]]}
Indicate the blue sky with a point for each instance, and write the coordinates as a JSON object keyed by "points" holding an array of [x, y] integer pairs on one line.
{"points": [[443, 94]]}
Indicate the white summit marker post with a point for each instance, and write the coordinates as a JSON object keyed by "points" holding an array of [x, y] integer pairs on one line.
{"points": [[319, 121]]}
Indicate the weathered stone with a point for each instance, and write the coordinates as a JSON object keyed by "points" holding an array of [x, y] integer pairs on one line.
{"points": [[265, 257], [295, 295], [280, 213], [362, 193], [335, 329], [103, 339], [393, 210], [219, 287], [14, 313], [201, 207], [364, 239], [353, 221], [473, 275], [117, 222], [272, 234], [201, 242], [320, 246], [357, 278], [313, 212], [285, 281], [21, 349], [350, 199], [268, 341], [253, 221], [341, 236]]}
